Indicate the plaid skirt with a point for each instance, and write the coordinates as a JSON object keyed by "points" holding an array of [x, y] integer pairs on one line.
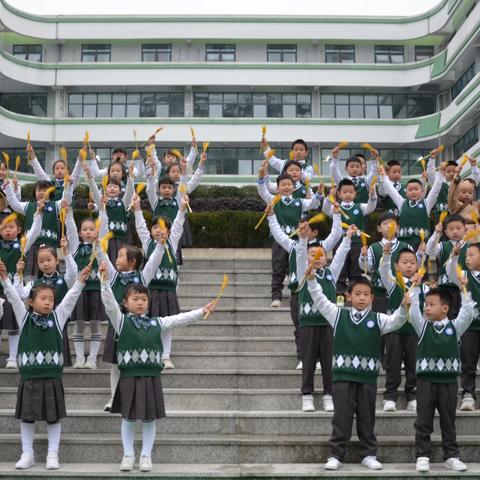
{"points": [[163, 303], [8, 321], [40, 399], [139, 398]]}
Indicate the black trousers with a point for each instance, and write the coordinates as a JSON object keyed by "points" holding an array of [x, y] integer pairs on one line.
{"points": [[350, 269], [353, 399], [469, 352], [294, 313], [279, 270], [400, 348], [443, 397], [316, 342]]}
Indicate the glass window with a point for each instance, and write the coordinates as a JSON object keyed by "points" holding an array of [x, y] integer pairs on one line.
{"points": [[466, 141], [28, 52], [389, 54], [282, 53], [26, 103], [422, 52], [24, 165], [156, 52], [462, 82], [219, 52], [339, 53], [96, 52]]}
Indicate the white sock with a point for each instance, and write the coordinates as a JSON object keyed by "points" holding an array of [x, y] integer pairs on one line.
{"points": [[27, 431], [13, 346], [114, 378], [128, 436], [148, 437], [95, 343], [53, 433], [79, 346], [167, 343]]}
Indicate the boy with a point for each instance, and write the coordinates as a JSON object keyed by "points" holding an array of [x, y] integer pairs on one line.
{"points": [[393, 170], [315, 332], [288, 211], [291, 246], [356, 364], [437, 368], [353, 213], [294, 169], [415, 209]]}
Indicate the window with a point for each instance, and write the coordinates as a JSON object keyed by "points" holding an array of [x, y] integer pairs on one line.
{"points": [[219, 52], [389, 54], [261, 105], [118, 105], [96, 53], [463, 80], [156, 52], [339, 53], [281, 53], [469, 139], [372, 105], [28, 52], [422, 52], [24, 166], [26, 103]]}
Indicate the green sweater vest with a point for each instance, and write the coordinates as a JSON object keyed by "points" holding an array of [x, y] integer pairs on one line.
{"points": [[395, 298], [82, 259], [356, 217], [166, 207], [49, 232], [361, 188], [166, 277], [122, 280], [413, 218], [117, 218], [446, 250], [474, 287], [288, 214], [10, 254], [59, 284]]}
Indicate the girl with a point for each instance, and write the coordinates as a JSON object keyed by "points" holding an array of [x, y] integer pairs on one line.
{"points": [[4, 206], [10, 253], [139, 394], [162, 288], [40, 357]]}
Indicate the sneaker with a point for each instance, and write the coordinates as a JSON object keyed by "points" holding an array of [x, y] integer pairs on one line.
{"points": [[307, 403], [389, 406], [11, 364], [328, 403], [127, 463], [299, 366], [26, 461], [168, 364], [79, 363], [468, 403], [372, 463], [145, 463], [332, 464], [318, 367], [455, 464], [52, 461], [412, 407], [91, 364], [423, 464], [108, 406], [276, 304]]}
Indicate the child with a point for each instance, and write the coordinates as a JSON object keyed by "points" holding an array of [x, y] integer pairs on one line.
{"points": [[89, 306], [370, 257], [294, 169], [393, 170], [5, 208], [291, 246], [163, 298], [315, 331], [461, 196], [438, 365], [356, 364], [40, 360], [127, 271], [353, 213], [288, 211], [10, 254], [401, 345], [139, 395], [415, 209], [450, 170]]}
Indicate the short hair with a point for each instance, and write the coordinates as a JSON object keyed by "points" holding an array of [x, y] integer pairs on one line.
{"points": [[56, 162], [166, 181], [442, 293], [38, 288], [176, 164], [469, 180], [43, 185], [453, 218], [134, 253], [414, 180], [167, 221], [299, 141], [119, 150], [169, 152], [316, 244], [284, 176], [346, 182], [475, 245], [85, 220], [315, 225], [135, 288], [404, 251], [393, 163], [359, 280], [353, 159], [48, 248], [114, 181], [452, 163], [289, 163], [387, 216], [469, 221], [120, 164], [361, 155]]}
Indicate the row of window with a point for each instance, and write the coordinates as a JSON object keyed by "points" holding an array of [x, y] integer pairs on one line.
{"points": [[221, 52], [26, 103], [24, 165], [467, 140], [462, 82]]}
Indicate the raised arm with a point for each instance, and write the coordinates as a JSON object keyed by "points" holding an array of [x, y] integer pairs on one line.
{"points": [[34, 231], [152, 264], [431, 170], [142, 230], [466, 314], [307, 173], [271, 187], [267, 197], [311, 203], [385, 271], [434, 248], [278, 234], [327, 309], [193, 183], [416, 316], [111, 306], [432, 196], [12, 199], [72, 232], [335, 234], [390, 323], [177, 228], [103, 257], [273, 161], [392, 192], [65, 309], [17, 303], [97, 196], [152, 191], [191, 157], [335, 170], [339, 258], [38, 170], [454, 205], [71, 270], [129, 191], [172, 321], [371, 205], [302, 259]]}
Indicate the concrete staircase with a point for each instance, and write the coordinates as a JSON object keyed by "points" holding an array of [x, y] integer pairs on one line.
{"points": [[233, 401]]}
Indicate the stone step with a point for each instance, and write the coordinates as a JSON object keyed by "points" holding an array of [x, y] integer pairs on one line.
{"points": [[226, 265], [194, 449], [249, 275], [191, 301], [285, 471], [232, 422], [238, 288]]}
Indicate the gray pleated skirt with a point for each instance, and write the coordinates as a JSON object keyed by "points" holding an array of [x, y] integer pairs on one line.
{"points": [[163, 303]]}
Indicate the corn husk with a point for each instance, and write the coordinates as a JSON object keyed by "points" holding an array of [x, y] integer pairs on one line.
{"points": [[316, 169], [135, 154], [441, 148], [86, 138], [269, 153], [10, 218], [367, 146], [422, 163], [28, 137], [223, 286], [140, 188], [104, 241], [343, 144], [347, 226], [205, 146], [422, 270], [364, 239], [63, 216], [104, 183], [275, 200], [291, 155], [464, 160], [264, 130], [421, 234], [374, 181], [49, 192], [400, 281], [176, 152], [474, 216], [83, 154], [18, 160], [182, 188], [319, 217], [461, 276], [443, 216], [192, 131], [392, 227], [63, 154], [471, 235]]}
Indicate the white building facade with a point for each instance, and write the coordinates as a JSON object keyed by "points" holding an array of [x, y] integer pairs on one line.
{"points": [[403, 84]]}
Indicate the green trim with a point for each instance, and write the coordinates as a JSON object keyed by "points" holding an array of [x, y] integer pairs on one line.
{"points": [[428, 126], [439, 63]]}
